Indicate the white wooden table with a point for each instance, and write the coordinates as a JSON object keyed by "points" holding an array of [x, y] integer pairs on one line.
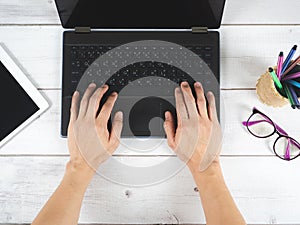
{"points": [[266, 189]]}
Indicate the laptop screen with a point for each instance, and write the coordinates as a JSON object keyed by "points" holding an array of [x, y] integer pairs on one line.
{"points": [[140, 14]]}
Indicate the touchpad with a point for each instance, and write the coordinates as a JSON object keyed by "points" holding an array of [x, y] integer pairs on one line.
{"points": [[144, 117]]}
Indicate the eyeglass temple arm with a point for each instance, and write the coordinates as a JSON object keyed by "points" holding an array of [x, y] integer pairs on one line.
{"points": [[287, 150], [277, 127]]}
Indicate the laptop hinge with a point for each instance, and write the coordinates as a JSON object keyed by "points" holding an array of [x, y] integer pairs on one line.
{"points": [[82, 29], [199, 30]]}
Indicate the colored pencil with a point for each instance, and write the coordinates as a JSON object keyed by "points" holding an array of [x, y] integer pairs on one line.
{"points": [[289, 95], [275, 78], [288, 58], [291, 76], [294, 96], [296, 61], [279, 64], [295, 83]]}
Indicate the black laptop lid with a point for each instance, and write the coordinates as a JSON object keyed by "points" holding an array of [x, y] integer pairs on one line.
{"points": [[140, 13]]}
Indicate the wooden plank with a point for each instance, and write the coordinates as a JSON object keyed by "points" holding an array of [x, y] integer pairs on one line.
{"points": [[261, 187], [39, 51], [42, 136], [236, 12], [28, 12], [258, 12]]}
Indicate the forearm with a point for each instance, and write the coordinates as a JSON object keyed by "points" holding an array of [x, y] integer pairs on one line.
{"points": [[218, 205], [64, 205]]}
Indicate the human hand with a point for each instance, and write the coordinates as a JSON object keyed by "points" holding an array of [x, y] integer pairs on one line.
{"points": [[198, 137], [90, 143]]}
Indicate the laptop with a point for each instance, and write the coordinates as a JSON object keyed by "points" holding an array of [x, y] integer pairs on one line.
{"points": [[97, 27]]}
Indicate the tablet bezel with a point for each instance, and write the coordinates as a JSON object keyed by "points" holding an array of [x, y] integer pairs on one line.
{"points": [[28, 87]]}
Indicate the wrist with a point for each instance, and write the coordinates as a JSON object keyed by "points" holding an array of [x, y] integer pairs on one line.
{"points": [[213, 170], [209, 179], [80, 174]]}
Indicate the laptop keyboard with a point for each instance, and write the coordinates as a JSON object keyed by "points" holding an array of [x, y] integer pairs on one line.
{"points": [[83, 56]]}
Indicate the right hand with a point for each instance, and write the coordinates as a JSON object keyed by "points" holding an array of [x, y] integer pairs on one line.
{"points": [[198, 137]]}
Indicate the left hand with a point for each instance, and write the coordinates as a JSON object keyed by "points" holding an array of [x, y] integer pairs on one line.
{"points": [[89, 141]]}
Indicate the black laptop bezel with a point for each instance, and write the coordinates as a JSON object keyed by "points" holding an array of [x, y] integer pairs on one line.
{"points": [[209, 15]]}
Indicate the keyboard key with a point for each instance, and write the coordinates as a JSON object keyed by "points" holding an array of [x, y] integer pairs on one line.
{"points": [[208, 48]]}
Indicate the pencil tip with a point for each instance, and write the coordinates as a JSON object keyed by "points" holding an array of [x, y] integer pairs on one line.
{"points": [[270, 69], [281, 54], [295, 47]]}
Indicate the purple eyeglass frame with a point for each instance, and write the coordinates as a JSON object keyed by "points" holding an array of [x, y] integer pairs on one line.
{"points": [[277, 129]]}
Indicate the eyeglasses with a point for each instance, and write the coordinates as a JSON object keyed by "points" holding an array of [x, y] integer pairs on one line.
{"points": [[261, 126]]}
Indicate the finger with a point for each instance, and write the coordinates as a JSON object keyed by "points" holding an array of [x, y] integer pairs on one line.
{"points": [[170, 129], [201, 101], [85, 100], [94, 102], [189, 99], [74, 107], [116, 130], [180, 107], [106, 109], [212, 111]]}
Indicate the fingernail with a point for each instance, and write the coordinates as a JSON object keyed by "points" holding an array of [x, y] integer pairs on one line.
{"points": [[114, 93], [75, 93], [185, 84], [92, 85], [198, 84], [119, 115], [177, 90], [166, 115]]}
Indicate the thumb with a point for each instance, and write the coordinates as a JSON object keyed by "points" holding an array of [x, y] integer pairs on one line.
{"points": [[116, 130], [169, 129]]}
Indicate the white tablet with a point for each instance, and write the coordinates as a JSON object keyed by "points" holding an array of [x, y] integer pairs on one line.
{"points": [[20, 102]]}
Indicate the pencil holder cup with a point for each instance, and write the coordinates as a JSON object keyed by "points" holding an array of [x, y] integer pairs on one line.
{"points": [[268, 93]]}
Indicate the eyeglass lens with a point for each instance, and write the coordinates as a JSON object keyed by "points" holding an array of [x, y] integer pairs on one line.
{"points": [[286, 148], [260, 126]]}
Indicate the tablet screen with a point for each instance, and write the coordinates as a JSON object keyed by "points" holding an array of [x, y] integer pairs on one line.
{"points": [[16, 104]]}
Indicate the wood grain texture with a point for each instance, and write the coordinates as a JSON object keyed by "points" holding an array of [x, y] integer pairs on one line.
{"points": [[261, 12], [262, 187], [265, 188], [42, 136], [28, 12], [246, 52], [236, 12]]}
